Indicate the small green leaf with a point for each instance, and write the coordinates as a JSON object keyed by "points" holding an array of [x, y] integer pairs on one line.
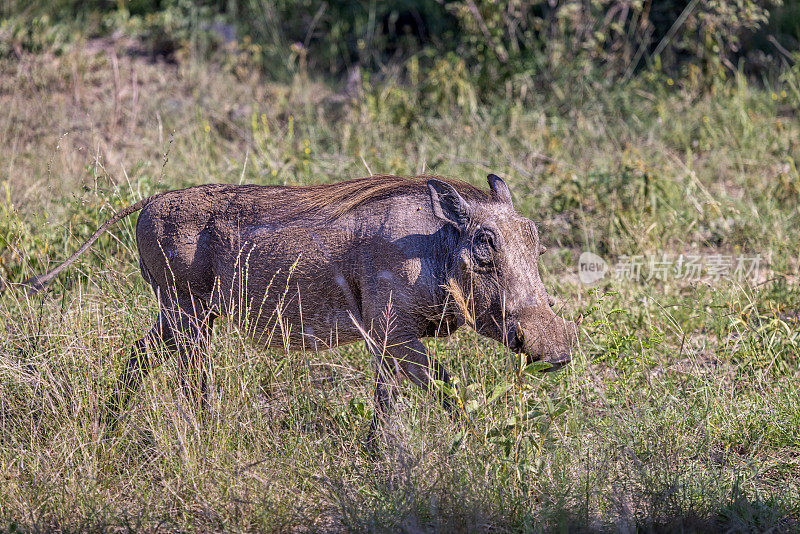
{"points": [[358, 408], [499, 389], [536, 367], [533, 414], [447, 389], [457, 442], [560, 409]]}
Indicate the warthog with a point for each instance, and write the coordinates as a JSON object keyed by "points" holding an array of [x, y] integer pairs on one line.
{"points": [[384, 258]]}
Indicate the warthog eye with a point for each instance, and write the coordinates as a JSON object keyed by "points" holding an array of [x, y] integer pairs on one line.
{"points": [[483, 246]]}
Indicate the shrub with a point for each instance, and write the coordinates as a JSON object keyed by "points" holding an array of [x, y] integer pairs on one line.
{"points": [[499, 42]]}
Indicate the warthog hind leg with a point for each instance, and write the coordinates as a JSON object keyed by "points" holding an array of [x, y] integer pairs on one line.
{"points": [[184, 325], [193, 350]]}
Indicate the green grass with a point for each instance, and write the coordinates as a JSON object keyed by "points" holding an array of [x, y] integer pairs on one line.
{"points": [[679, 412]]}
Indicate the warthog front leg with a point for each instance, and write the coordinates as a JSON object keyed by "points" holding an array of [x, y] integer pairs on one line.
{"points": [[385, 392], [409, 358], [419, 366]]}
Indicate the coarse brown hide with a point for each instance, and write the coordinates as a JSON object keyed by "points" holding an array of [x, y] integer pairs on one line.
{"points": [[386, 259]]}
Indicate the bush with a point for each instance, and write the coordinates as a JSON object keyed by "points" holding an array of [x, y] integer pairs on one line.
{"points": [[616, 37], [501, 45]]}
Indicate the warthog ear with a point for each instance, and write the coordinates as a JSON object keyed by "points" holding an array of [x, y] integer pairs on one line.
{"points": [[447, 204], [499, 189]]}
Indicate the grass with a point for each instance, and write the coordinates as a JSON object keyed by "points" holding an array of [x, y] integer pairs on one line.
{"points": [[679, 412]]}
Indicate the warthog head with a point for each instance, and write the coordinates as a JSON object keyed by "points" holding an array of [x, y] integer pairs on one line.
{"points": [[494, 276]]}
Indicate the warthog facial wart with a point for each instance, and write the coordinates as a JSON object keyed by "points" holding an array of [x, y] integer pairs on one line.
{"points": [[385, 258]]}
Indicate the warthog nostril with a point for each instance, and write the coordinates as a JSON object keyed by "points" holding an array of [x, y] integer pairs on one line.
{"points": [[558, 362], [563, 359], [551, 301], [516, 340]]}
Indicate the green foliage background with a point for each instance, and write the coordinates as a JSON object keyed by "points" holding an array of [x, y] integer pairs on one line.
{"points": [[491, 43]]}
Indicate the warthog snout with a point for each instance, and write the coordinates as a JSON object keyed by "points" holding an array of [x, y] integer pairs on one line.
{"points": [[548, 339]]}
